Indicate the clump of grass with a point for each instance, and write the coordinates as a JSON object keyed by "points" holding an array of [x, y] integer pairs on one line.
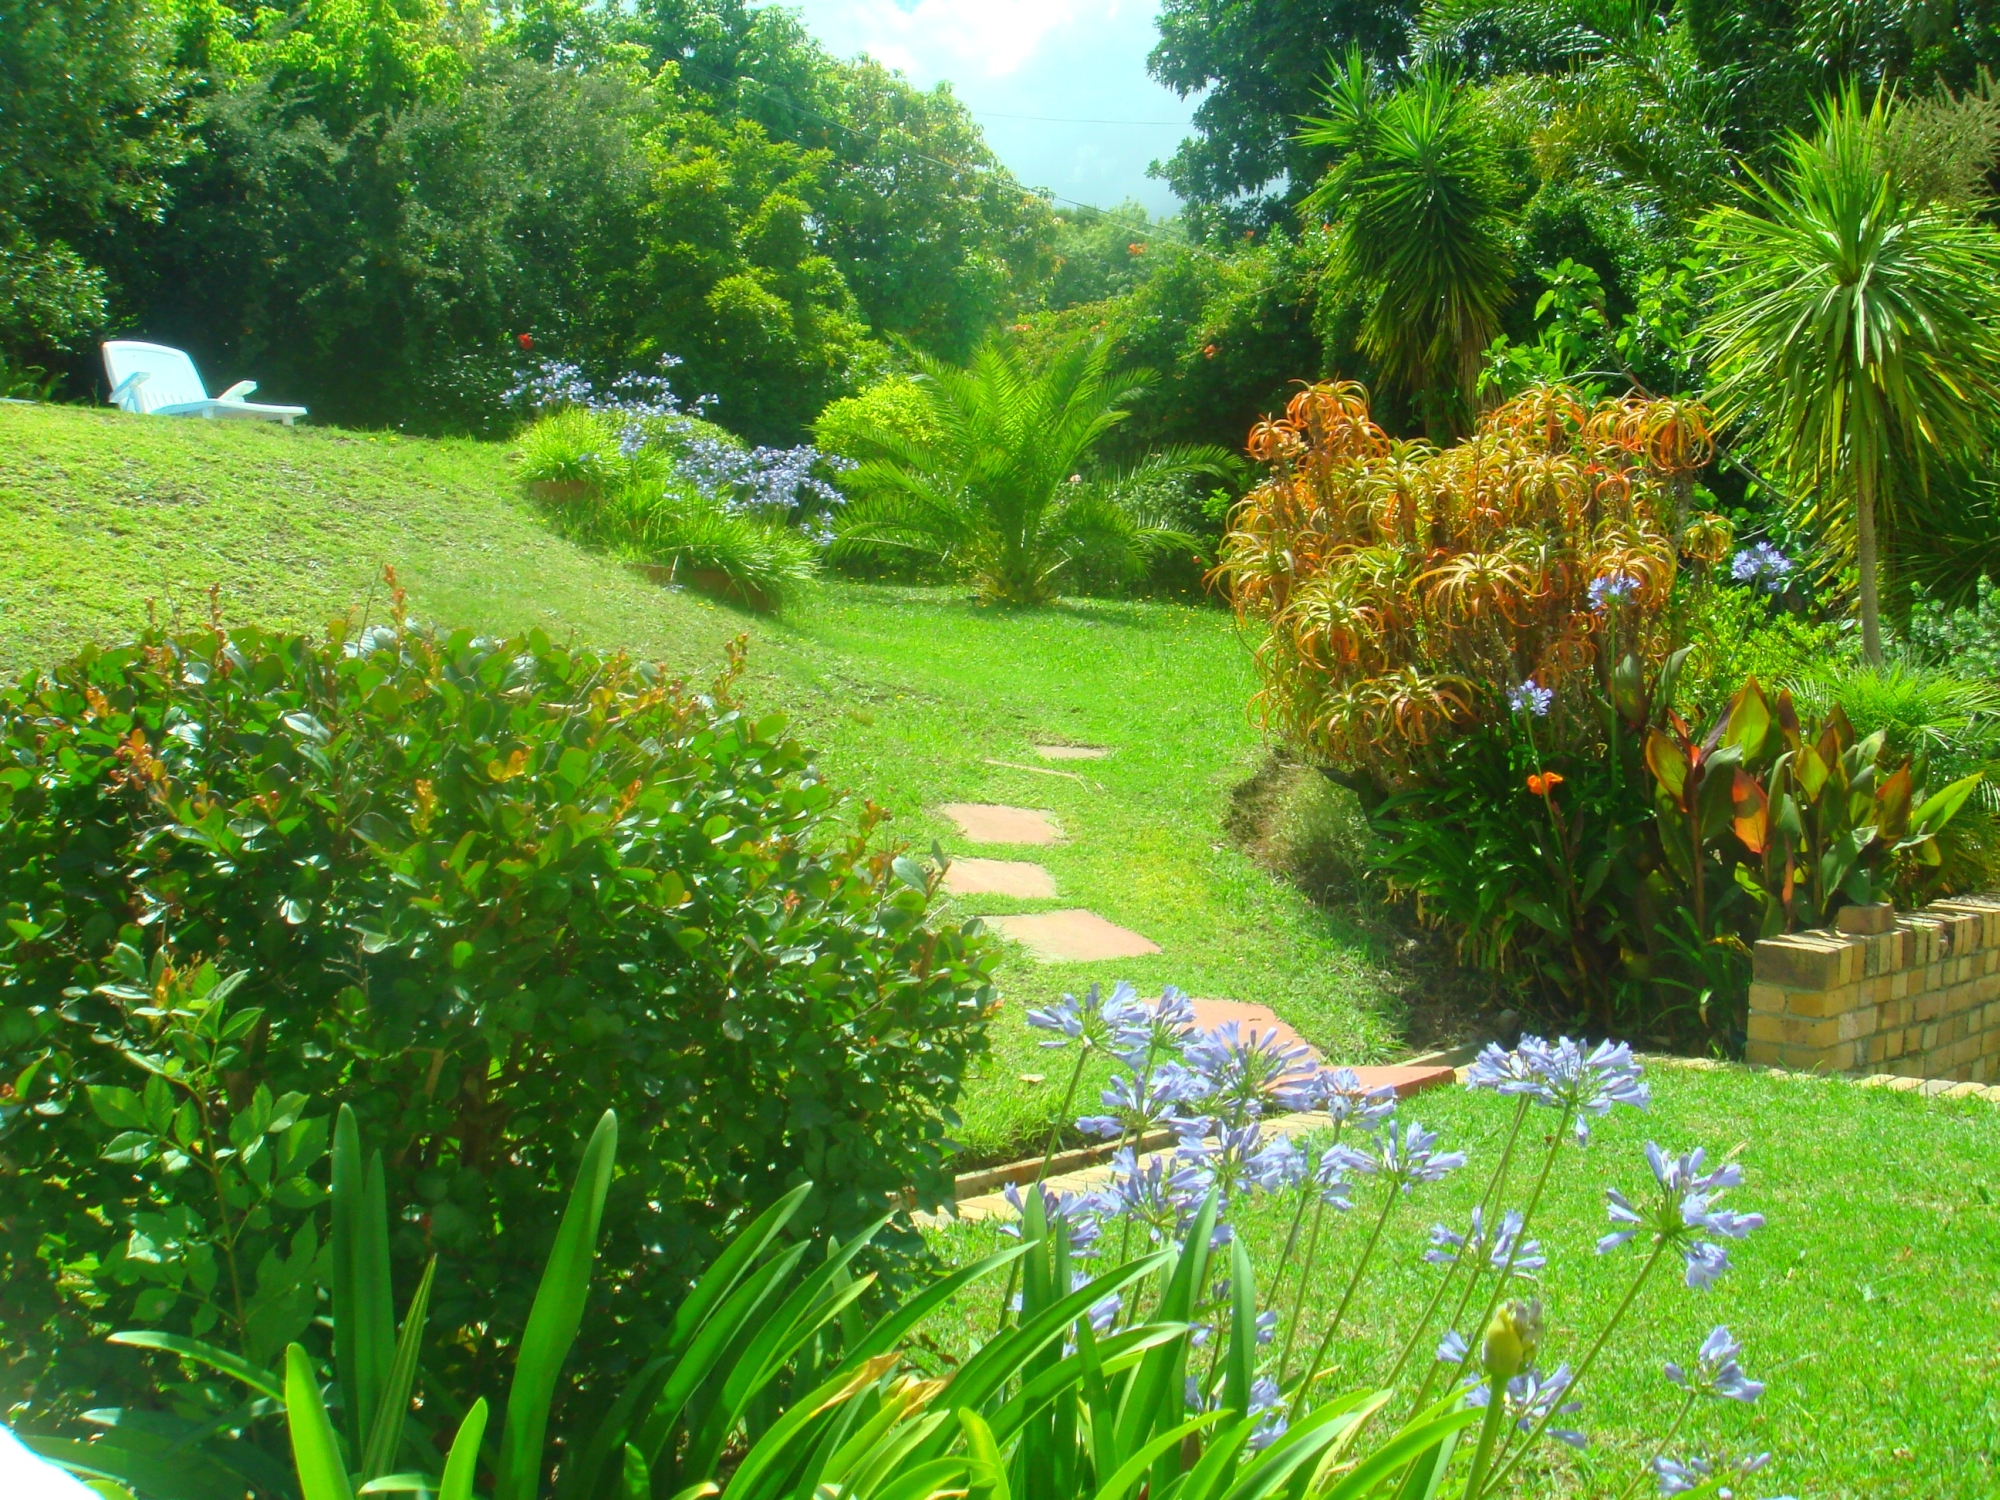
{"points": [[698, 542], [571, 447]]}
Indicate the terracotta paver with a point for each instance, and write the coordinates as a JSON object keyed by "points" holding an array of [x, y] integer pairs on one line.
{"points": [[1073, 936], [994, 823], [1070, 752], [998, 877]]}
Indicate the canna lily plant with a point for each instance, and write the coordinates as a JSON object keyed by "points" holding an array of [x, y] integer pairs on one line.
{"points": [[1803, 816]]}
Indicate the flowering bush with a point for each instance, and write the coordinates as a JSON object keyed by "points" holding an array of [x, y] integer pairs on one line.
{"points": [[459, 883], [1254, 1357]]}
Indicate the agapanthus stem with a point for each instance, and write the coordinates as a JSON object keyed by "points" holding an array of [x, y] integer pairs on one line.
{"points": [[1589, 1359], [1306, 1265], [1506, 1271], [1353, 1283], [1666, 1440], [1069, 1103], [1489, 1429], [1489, 1204]]}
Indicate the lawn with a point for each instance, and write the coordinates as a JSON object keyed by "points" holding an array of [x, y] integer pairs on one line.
{"points": [[910, 695], [1870, 1302]]}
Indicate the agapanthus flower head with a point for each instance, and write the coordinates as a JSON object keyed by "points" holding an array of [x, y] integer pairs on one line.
{"points": [[1526, 1256], [1238, 1159], [1404, 1156], [1678, 1476], [1528, 1397], [1586, 1084], [1147, 1033], [1716, 1372], [1340, 1093], [1267, 1409], [1090, 1019], [1762, 565], [1612, 588], [1507, 1071], [1246, 1074], [1530, 697], [1079, 1211], [1683, 1212], [1156, 1194], [1136, 1104]]}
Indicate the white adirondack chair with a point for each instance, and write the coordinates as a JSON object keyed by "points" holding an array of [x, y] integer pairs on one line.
{"points": [[153, 380]]}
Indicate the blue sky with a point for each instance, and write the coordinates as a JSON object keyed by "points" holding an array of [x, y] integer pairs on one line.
{"points": [[1039, 75]]}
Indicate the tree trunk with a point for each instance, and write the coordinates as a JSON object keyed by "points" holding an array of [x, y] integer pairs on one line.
{"points": [[1865, 565]]}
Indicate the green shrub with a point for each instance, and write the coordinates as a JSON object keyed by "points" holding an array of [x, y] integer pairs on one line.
{"points": [[572, 446], [473, 884]]}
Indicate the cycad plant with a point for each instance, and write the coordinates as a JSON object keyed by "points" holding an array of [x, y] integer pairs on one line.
{"points": [[1853, 331], [1415, 193], [999, 486]]}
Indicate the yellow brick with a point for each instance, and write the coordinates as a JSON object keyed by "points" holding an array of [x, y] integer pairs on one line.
{"points": [[1759, 1052], [1766, 1028], [1815, 1003]]}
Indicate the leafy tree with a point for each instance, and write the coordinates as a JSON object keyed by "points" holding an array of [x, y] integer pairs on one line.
{"points": [[1259, 65], [1415, 195], [92, 116], [999, 494], [1854, 329]]}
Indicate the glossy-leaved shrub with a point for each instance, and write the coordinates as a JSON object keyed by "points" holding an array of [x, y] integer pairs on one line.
{"points": [[479, 890]]}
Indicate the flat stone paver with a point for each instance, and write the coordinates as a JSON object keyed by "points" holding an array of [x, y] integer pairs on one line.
{"points": [[1070, 752], [1073, 936], [995, 823], [998, 877]]}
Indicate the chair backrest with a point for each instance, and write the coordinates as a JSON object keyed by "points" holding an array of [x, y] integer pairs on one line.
{"points": [[170, 375]]}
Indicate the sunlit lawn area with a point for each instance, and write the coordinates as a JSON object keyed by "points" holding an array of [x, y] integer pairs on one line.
{"points": [[1870, 1302]]}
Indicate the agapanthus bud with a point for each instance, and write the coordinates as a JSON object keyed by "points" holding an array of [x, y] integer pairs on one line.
{"points": [[1512, 1339]]}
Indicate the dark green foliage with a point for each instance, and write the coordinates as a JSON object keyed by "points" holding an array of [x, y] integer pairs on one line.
{"points": [[1259, 66], [475, 886]]}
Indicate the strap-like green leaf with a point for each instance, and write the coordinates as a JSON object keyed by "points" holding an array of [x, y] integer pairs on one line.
{"points": [[315, 1453], [553, 1321], [987, 1479], [232, 1365], [1134, 1468], [463, 1461], [385, 1428]]}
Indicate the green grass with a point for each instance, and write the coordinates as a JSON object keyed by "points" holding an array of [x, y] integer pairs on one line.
{"points": [[1870, 1302], [909, 694]]}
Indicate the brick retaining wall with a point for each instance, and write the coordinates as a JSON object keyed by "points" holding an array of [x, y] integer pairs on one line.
{"points": [[1922, 1001]]}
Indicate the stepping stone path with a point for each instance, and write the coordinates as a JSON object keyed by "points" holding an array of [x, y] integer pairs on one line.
{"points": [[998, 877], [992, 823], [1070, 752], [1073, 937]]}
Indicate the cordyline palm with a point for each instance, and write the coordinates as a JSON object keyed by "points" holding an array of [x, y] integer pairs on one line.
{"points": [[1415, 192], [1853, 330], [998, 495]]}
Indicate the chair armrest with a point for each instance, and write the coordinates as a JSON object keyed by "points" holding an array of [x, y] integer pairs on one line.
{"points": [[125, 387], [238, 391]]}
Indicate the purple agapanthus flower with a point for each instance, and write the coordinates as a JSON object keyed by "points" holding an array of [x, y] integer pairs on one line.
{"points": [[1246, 1075], [1090, 1019], [1563, 1076], [1716, 1372], [1529, 1397], [1762, 565], [1267, 1411], [1507, 1249], [1078, 1210], [1684, 1213], [1339, 1093], [1679, 1476], [1530, 697], [1136, 1105], [1147, 1033], [1612, 588], [1404, 1157], [1155, 1194]]}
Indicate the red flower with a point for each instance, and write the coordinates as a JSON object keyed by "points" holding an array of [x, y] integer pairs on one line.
{"points": [[1541, 785], [1208, 351], [1135, 248], [525, 340]]}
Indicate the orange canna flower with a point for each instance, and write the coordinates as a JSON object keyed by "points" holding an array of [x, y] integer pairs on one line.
{"points": [[1542, 783]]}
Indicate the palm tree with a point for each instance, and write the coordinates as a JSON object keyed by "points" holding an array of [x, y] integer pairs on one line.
{"points": [[996, 490], [1415, 192], [1853, 330]]}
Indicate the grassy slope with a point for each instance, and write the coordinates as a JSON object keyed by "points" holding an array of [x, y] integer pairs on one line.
{"points": [[908, 693]]}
